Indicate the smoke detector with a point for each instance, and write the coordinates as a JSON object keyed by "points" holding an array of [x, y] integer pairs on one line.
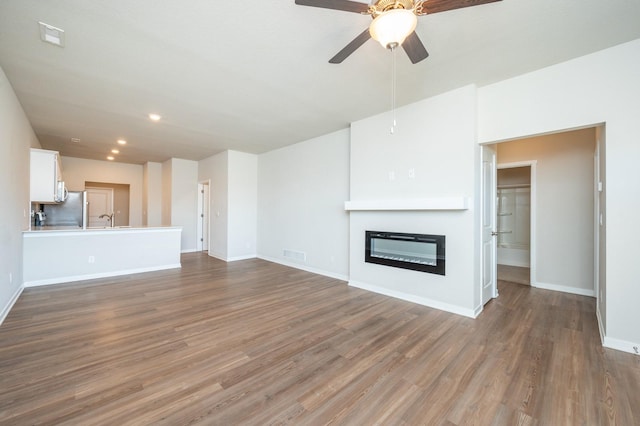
{"points": [[51, 34]]}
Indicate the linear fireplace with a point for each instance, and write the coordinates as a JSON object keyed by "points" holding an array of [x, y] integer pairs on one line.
{"points": [[418, 252]]}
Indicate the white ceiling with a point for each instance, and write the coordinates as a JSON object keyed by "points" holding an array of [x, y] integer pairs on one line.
{"points": [[253, 75]]}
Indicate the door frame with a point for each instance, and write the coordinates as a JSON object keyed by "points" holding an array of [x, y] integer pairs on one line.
{"points": [[532, 215], [599, 225], [203, 219]]}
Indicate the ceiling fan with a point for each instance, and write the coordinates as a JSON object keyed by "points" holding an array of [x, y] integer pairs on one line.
{"points": [[394, 22]]}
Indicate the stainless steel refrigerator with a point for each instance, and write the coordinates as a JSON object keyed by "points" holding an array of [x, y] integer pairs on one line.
{"points": [[72, 212]]}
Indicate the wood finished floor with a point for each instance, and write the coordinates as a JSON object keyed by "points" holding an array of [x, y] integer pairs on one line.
{"points": [[514, 274], [252, 342]]}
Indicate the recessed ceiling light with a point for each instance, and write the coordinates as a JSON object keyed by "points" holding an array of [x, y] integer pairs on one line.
{"points": [[122, 142], [115, 151], [111, 158], [154, 117], [75, 140], [51, 34]]}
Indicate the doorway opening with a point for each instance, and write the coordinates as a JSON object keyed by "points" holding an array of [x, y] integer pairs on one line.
{"points": [[514, 222], [563, 229], [104, 198], [100, 207]]}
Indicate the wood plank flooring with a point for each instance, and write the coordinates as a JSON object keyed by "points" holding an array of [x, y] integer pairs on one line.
{"points": [[514, 274], [257, 343]]}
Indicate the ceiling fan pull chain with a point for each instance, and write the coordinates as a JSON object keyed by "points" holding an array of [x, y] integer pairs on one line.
{"points": [[393, 88]]}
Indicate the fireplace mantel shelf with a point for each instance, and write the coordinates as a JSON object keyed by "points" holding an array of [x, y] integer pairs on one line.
{"points": [[435, 203]]}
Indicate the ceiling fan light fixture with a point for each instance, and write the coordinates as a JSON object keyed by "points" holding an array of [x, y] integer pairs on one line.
{"points": [[390, 28]]}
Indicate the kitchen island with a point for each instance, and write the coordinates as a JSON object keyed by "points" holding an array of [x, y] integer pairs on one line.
{"points": [[54, 255]]}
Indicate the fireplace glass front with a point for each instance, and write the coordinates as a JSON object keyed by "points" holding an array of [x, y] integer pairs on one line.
{"points": [[418, 252]]}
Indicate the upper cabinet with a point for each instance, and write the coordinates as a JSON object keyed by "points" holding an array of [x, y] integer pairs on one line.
{"points": [[46, 177]]}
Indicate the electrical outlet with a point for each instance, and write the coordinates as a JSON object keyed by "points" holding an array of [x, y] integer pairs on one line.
{"points": [[392, 175], [92, 259], [412, 173]]}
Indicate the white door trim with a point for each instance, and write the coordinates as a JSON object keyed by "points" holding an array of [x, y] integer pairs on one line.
{"points": [[203, 219]]}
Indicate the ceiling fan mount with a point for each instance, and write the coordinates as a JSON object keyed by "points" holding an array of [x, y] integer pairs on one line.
{"points": [[384, 5], [387, 15]]}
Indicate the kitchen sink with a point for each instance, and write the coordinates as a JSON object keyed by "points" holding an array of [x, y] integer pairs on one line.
{"points": [[109, 227]]}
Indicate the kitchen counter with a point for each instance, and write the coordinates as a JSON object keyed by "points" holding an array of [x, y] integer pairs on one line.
{"points": [[65, 254], [48, 228]]}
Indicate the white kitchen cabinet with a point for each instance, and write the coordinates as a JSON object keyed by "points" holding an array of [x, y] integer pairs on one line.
{"points": [[45, 175]]}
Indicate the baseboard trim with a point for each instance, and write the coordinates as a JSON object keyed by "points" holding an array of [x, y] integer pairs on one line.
{"points": [[224, 259], [189, 251], [477, 311], [305, 268], [9, 305], [470, 313], [600, 326], [621, 345], [244, 257], [232, 259], [61, 280], [565, 289]]}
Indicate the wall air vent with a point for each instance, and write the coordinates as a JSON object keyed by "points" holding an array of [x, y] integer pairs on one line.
{"points": [[299, 256], [51, 34]]}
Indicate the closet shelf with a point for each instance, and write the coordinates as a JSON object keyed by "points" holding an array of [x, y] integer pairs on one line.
{"points": [[514, 186]]}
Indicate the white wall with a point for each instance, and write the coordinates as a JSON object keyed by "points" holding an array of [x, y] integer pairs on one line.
{"points": [[215, 169], [301, 193], [184, 200], [232, 204], [435, 139], [16, 138], [243, 205], [564, 211], [152, 190], [599, 88], [166, 193], [77, 171]]}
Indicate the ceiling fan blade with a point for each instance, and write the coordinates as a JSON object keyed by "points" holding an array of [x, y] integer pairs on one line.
{"points": [[414, 48], [346, 5], [435, 6], [351, 47]]}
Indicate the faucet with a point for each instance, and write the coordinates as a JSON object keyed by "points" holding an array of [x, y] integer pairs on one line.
{"points": [[109, 216], [40, 217]]}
